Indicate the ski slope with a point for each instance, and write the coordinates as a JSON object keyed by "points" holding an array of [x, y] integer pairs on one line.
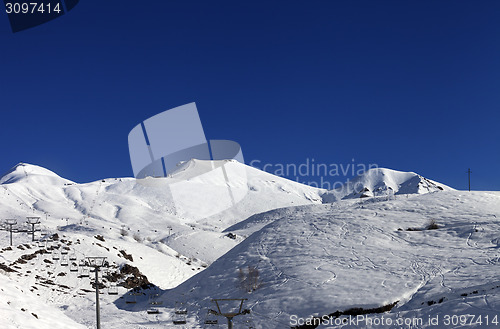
{"points": [[313, 258], [359, 254]]}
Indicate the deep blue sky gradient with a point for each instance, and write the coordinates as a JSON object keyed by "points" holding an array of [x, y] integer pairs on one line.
{"points": [[408, 85]]}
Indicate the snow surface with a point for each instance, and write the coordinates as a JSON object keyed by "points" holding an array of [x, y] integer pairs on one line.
{"points": [[327, 258], [312, 258]]}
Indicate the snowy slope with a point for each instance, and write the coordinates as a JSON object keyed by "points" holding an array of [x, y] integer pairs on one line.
{"points": [[384, 182], [149, 208], [351, 254], [20, 308], [137, 217], [307, 253]]}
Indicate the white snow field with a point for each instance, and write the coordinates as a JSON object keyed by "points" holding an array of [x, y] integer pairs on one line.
{"points": [[291, 255]]}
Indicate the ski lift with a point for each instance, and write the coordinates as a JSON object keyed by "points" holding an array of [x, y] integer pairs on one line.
{"points": [[84, 271], [105, 271], [153, 302], [180, 308], [113, 289], [180, 314], [72, 256], [211, 319], [153, 299], [48, 246], [179, 319], [132, 297], [247, 324], [153, 310], [64, 261], [73, 267]]}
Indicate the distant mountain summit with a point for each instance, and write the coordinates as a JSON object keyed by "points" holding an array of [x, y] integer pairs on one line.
{"points": [[32, 173], [261, 185], [384, 182]]}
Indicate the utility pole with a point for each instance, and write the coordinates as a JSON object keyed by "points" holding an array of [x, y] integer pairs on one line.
{"points": [[469, 172], [97, 263], [10, 222], [33, 221]]}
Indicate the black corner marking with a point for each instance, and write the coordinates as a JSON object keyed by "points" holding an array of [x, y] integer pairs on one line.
{"points": [[25, 14], [70, 4]]}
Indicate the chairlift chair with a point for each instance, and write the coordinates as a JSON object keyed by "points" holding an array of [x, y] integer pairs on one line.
{"points": [[179, 319], [153, 299], [48, 246], [73, 267], [211, 319], [72, 256], [132, 297], [64, 261], [44, 231], [153, 310], [56, 256], [113, 289], [180, 314], [84, 272], [180, 308]]}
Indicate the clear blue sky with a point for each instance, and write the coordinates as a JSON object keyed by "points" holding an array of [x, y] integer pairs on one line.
{"points": [[408, 85]]}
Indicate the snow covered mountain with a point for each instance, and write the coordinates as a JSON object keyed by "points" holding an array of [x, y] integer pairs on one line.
{"points": [[306, 253], [384, 182], [148, 207], [371, 254]]}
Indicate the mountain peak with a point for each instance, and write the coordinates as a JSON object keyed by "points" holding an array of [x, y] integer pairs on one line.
{"points": [[23, 171], [385, 182]]}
